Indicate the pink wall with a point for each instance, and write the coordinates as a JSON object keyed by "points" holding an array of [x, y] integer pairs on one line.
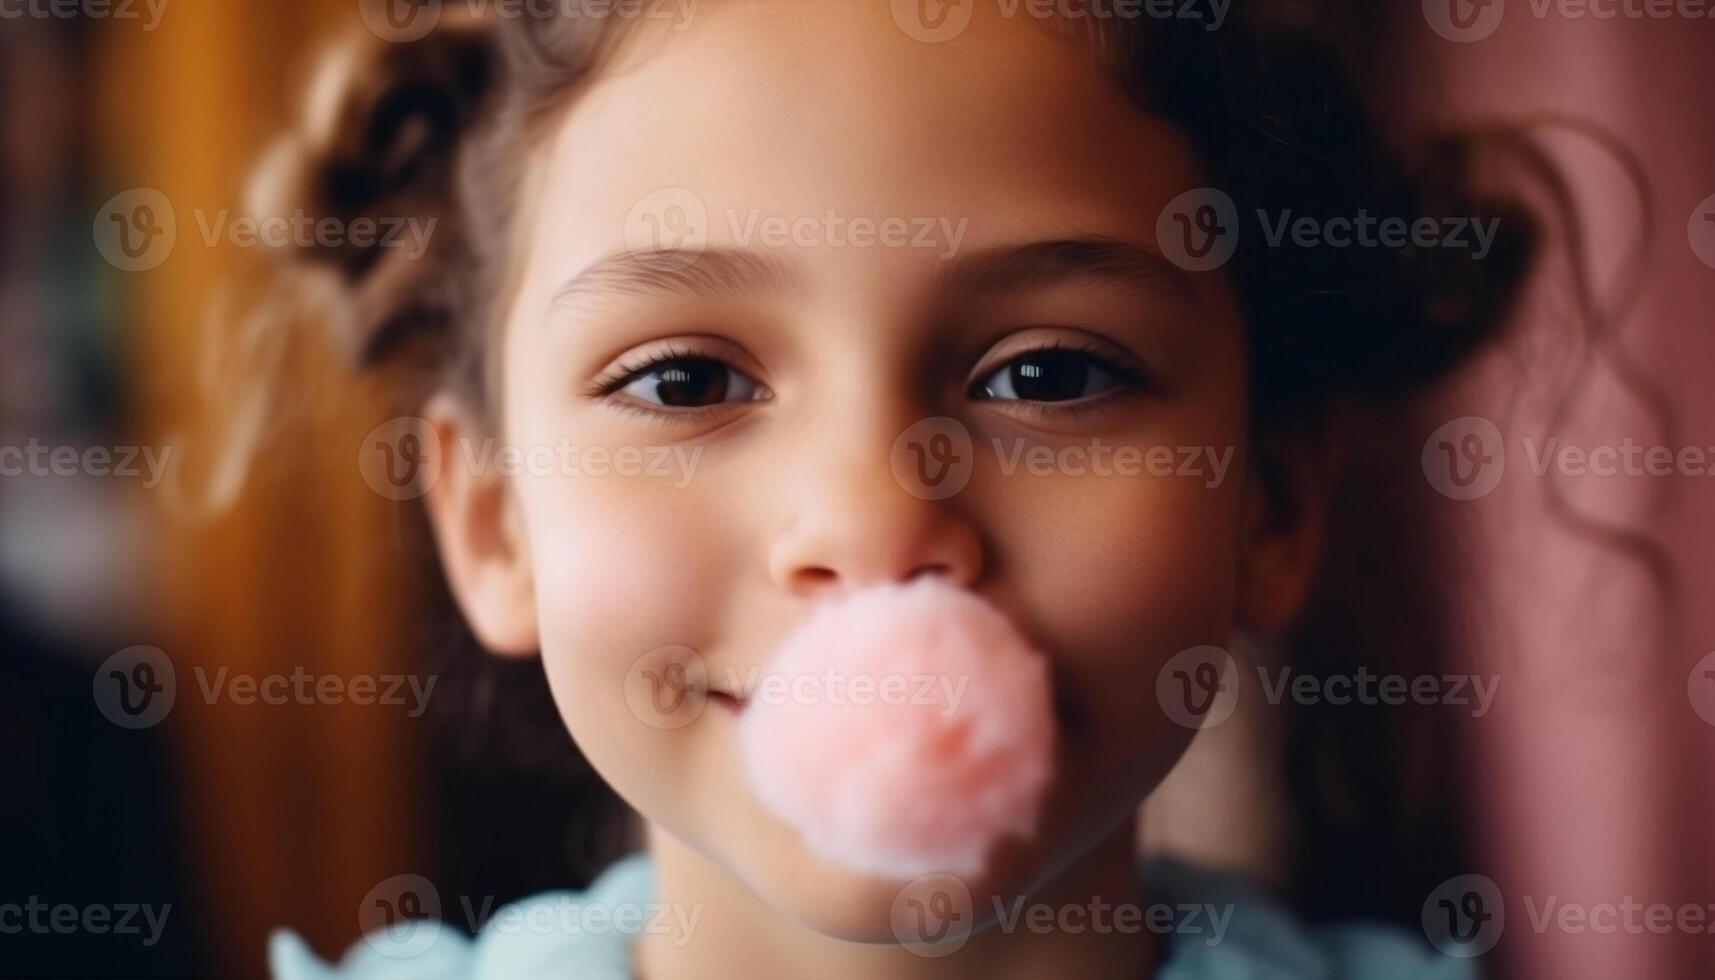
{"points": [[1595, 773]]}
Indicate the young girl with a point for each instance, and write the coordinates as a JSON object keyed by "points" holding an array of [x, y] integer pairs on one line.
{"points": [[768, 243]]}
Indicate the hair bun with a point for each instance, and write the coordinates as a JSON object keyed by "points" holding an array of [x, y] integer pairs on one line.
{"points": [[377, 143]]}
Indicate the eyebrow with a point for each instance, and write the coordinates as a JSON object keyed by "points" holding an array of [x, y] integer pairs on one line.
{"points": [[1053, 262], [737, 272], [711, 272]]}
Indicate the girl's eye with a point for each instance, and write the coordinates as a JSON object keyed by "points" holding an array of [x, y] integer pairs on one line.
{"points": [[1050, 375], [688, 382]]}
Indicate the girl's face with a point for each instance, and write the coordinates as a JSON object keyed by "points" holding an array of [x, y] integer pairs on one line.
{"points": [[759, 253]]}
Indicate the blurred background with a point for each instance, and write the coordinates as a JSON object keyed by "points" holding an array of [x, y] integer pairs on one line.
{"points": [[126, 134]]}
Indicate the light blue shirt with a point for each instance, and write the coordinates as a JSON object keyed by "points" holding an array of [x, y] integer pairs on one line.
{"points": [[1256, 940]]}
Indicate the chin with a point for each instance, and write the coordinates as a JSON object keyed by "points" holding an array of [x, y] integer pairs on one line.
{"points": [[853, 906]]}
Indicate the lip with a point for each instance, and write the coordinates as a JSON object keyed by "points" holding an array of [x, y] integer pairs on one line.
{"points": [[729, 700]]}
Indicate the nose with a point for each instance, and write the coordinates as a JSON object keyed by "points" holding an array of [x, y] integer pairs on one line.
{"points": [[851, 523]]}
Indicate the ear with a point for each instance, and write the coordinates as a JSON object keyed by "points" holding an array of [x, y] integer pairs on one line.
{"points": [[480, 537], [1285, 517]]}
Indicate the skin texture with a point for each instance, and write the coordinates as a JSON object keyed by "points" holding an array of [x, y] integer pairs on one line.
{"points": [[789, 110]]}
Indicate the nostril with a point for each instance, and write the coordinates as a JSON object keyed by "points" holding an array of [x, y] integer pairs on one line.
{"points": [[815, 577]]}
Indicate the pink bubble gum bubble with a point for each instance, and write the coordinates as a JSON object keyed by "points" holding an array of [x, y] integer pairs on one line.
{"points": [[903, 730]]}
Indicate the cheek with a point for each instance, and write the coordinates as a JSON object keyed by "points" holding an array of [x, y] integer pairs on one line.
{"points": [[1117, 574], [620, 555], [1137, 570], [622, 569], [618, 562]]}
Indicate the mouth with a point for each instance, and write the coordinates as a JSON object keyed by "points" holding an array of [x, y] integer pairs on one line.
{"points": [[1067, 711], [729, 700]]}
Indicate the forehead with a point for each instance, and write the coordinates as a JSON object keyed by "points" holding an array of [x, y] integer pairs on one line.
{"points": [[815, 119]]}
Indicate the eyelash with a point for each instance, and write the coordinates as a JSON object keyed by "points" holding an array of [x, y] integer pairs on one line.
{"points": [[625, 372], [1131, 381]]}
